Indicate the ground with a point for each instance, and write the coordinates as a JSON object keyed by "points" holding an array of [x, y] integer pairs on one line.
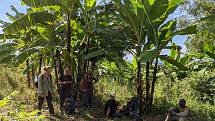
{"points": [[96, 114]]}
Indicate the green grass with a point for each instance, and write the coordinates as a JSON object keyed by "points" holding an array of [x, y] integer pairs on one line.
{"points": [[20, 103]]}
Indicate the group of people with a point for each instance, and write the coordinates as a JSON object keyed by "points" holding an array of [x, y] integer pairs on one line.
{"points": [[45, 91], [180, 113], [131, 110]]}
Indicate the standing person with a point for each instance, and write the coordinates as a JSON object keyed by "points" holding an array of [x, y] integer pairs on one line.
{"points": [[45, 89], [66, 83], [86, 85]]}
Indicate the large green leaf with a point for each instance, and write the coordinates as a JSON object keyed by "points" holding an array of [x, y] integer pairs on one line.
{"points": [[91, 26], [188, 30], [131, 12], [169, 35], [172, 6], [173, 3], [208, 18], [148, 55], [211, 55], [173, 62], [7, 46], [41, 3], [134, 63], [94, 54], [90, 3], [7, 59], [185, 59], [151, 2], [6, 52], [4, 37], [40, 42], [158, 8], [29, 20], [175, 47], [22, 56]]}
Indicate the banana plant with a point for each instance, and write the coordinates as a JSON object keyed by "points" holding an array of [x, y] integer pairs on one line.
{"points": [[149, 34]]}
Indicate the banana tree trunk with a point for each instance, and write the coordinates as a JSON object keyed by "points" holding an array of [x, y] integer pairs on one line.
{"points": [[93, 64], [32, 73], [153, 83], [40, 63], [80, 75], [60, 69], [147, 88], [28, 74], [56, 73], [86, 62], [68, 43], [139, 85]]}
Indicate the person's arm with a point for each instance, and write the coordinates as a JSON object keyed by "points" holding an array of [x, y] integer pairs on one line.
{"points": [[61, 81], [67, 82], [51, 84], [108, 112], [183, 114], [81, 83], [41, 86]]}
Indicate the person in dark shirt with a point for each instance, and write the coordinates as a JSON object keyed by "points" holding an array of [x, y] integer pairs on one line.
{"points": [[110, 109], [65, 82]]}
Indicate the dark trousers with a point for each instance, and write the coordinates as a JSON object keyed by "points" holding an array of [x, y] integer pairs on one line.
{"points": [[49, 101], [64, 93], [87, 98]]}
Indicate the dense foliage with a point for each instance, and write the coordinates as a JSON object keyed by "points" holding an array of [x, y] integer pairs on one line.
{"points": [[94, 35]]}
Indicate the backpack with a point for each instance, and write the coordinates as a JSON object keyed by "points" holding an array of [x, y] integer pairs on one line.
{"points": [[69, 105], [134, 108], [36, 78]]}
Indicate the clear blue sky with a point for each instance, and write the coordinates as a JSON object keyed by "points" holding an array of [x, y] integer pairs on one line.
{"points": [[5, 7]]}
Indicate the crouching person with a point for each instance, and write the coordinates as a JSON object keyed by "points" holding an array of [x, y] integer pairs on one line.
{"points": [[179, 114], [110, 109], [132, 108]]}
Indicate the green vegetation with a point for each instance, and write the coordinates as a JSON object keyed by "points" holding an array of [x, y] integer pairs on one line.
{"points": [[93, 35]]}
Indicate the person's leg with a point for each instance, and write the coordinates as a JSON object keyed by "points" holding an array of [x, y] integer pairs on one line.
{"points": [[40, 103], [89, 99], [87, 96], [85, 99], [49, 101], [62, 98]]}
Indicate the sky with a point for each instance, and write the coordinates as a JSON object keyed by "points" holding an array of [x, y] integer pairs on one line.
{"points": [[5, 7]]}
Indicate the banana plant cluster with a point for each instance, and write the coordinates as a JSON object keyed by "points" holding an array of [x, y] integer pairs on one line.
{"points": [[149, 31], [78, 33]]}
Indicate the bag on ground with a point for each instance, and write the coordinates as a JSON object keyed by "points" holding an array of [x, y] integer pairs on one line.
{"points": [[69, 105]]}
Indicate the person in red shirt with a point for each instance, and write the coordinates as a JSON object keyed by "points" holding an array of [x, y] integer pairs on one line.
{"points": [[86, 85]]}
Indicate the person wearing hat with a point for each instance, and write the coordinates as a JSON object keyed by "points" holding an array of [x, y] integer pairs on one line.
{"points": [[179, 114], [110, 109], [45, 89]]}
